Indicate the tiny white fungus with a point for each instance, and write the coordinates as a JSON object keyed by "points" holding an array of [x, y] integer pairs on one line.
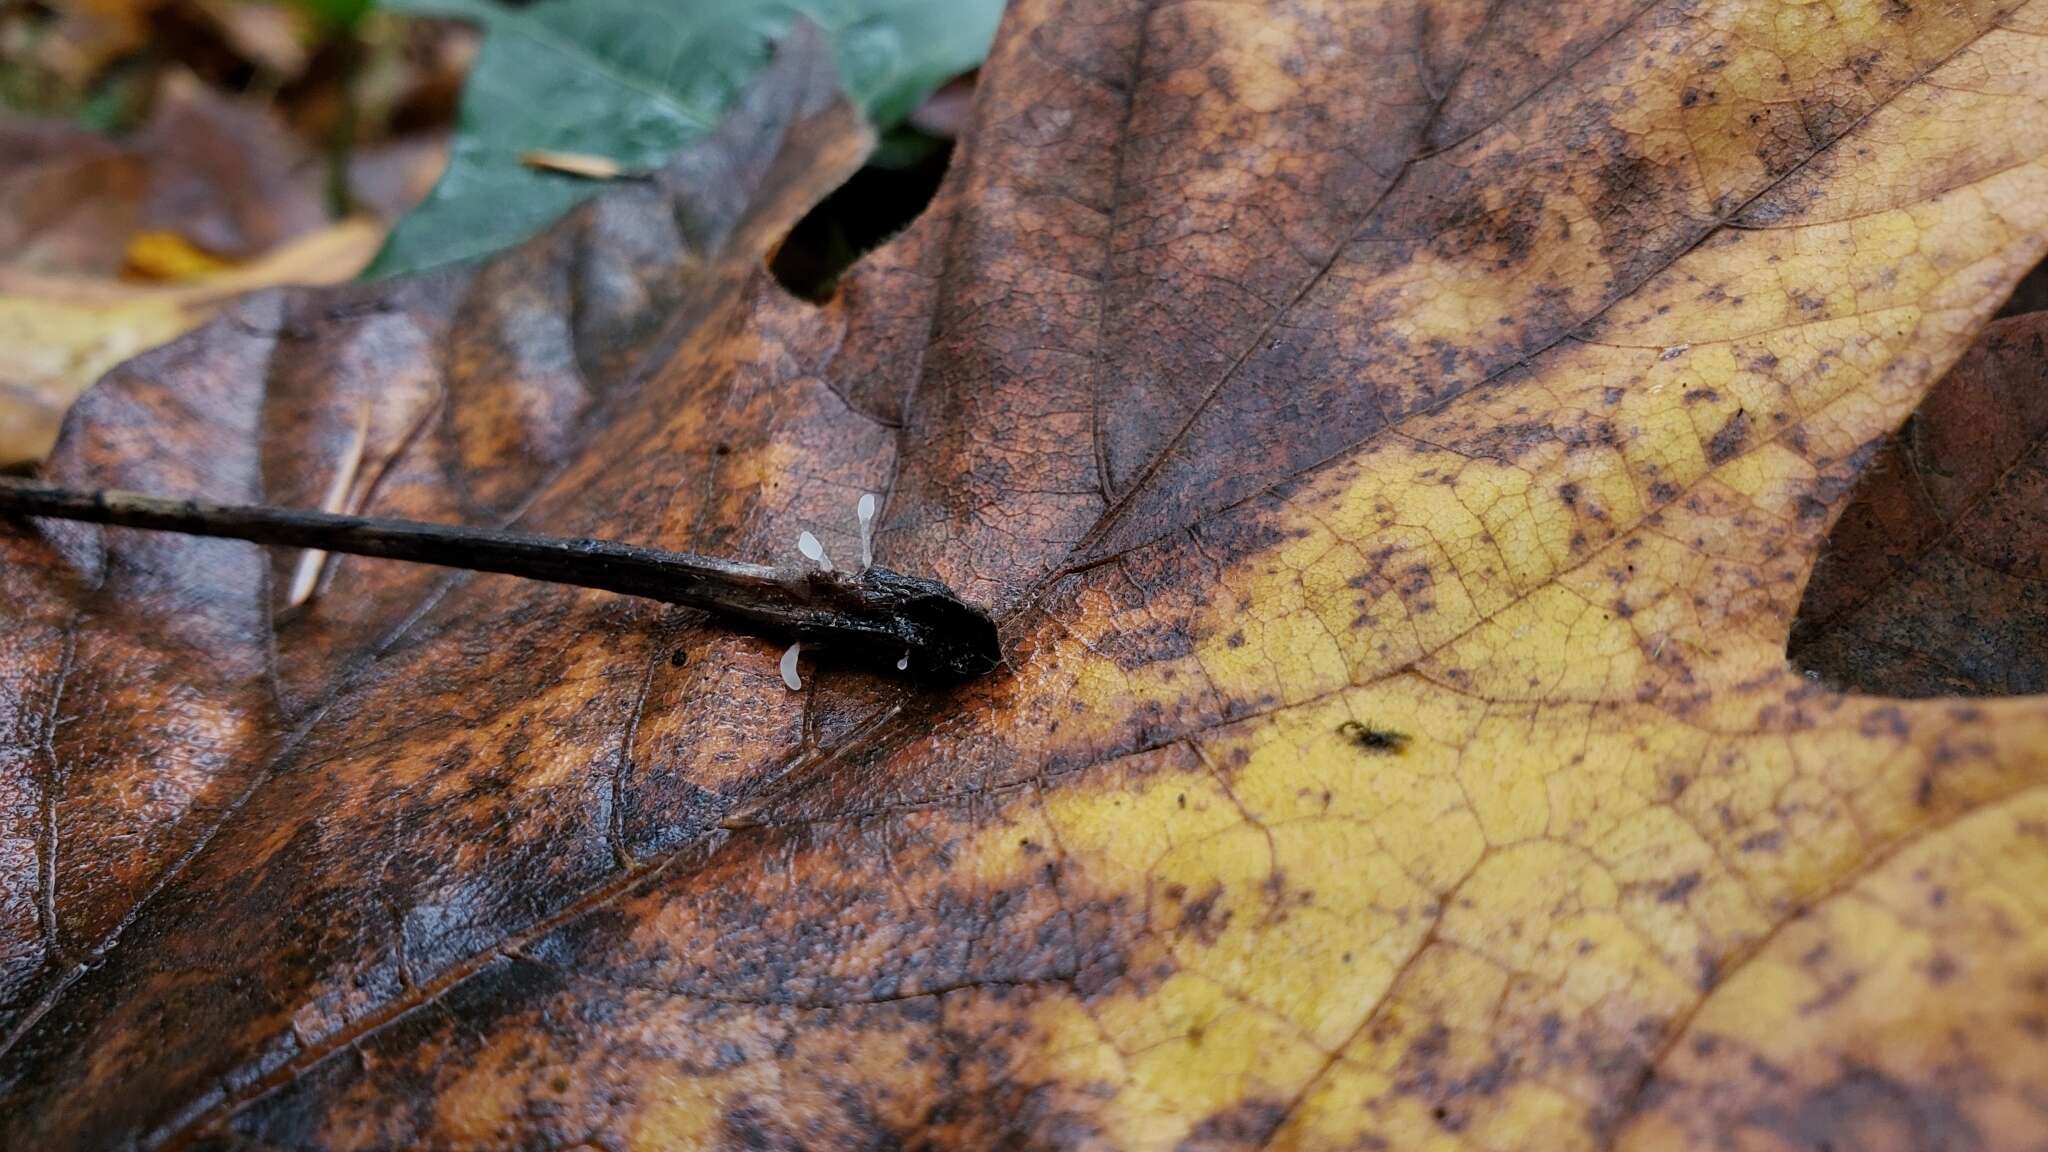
{"points": [[790, 679], [904, 663], [865, 510], [809, 546]]}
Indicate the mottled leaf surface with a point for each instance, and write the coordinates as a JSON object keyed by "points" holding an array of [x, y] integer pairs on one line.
{"points": [[1395, 438]]}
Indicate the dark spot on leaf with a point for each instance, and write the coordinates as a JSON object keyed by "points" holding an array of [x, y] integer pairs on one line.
{"points": [[1679, 888], [1244, 1125], [1727, 443], [1865, 1108], [1198, 917]]}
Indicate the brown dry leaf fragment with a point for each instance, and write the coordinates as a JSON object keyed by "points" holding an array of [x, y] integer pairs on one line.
{"points": [[1935, 582], [225, 177], [69, 200], [1484, 375], [59, 49], [390, 179], [276, 38]]}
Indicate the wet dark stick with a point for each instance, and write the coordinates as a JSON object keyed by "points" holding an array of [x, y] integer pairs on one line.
{"points": [[876, 616]]}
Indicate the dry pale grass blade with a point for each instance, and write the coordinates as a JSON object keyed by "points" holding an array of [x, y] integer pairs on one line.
{"points": [[312, 563], [574, 164]]}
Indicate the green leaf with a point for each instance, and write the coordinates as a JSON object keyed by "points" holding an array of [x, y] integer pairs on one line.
{"points": [[338, 15], [636, 80]]}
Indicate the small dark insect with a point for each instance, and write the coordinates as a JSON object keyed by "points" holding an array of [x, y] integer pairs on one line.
{"points": [[1373, 739]]}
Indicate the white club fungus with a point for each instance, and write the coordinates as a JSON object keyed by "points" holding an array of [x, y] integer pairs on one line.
{"points": [[813, 551], [865, 510]]}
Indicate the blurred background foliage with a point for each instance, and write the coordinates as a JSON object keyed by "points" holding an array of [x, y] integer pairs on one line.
{"points": [[158, 157]]}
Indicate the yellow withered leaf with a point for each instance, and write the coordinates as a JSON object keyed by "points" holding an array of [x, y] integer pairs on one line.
{"points": [[58, 334], [1394, 438], [169, 256], [213, 197]]}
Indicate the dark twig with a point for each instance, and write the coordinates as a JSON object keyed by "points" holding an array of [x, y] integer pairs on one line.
{"points": [[877, 616]]}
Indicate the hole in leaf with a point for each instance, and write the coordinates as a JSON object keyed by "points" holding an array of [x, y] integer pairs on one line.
{"points": [[874, 204], [2030, 295], [1935, 580]]}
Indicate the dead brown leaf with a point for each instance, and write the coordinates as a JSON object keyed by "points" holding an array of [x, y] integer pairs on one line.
{"points": [[1395, 441], [226, 177]]}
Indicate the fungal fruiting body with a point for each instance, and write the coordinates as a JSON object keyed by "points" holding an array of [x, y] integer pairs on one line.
{"points": [[865, 512], [813, 551], [965, 643]]}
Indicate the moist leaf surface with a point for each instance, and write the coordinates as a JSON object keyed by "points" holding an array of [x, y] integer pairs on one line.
{"points": [[1394, 439]]}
